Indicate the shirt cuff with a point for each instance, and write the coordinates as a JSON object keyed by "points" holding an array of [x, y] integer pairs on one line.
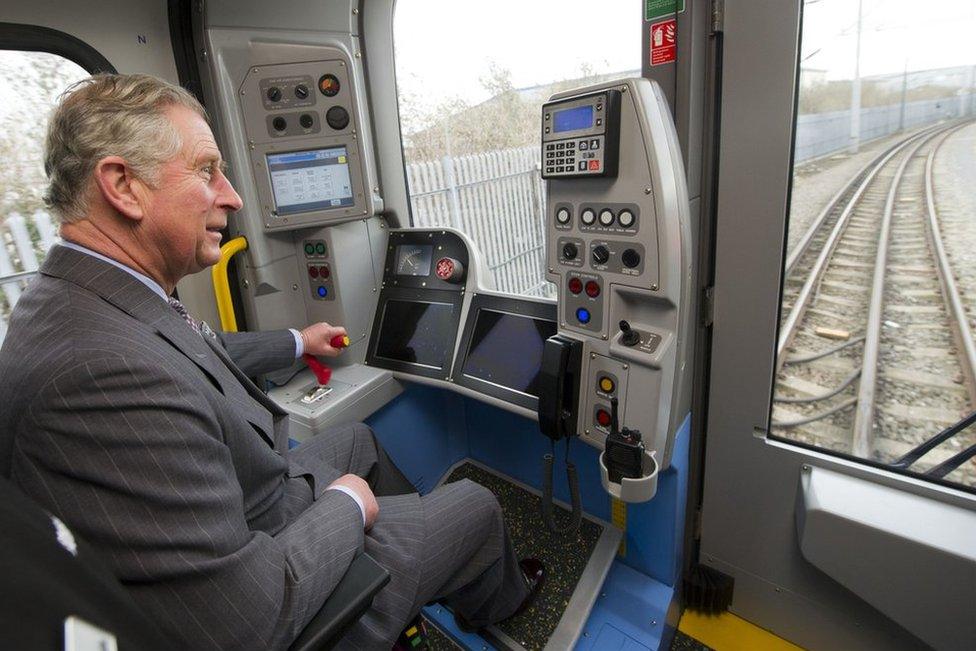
{"points": [[351, 493], [299, 344]]}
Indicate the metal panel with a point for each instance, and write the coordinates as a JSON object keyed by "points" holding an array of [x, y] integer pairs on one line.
{"points": [[750, 482]]}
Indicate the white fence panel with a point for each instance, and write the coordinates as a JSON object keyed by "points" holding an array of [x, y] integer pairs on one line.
{"points": [[20, 254]]}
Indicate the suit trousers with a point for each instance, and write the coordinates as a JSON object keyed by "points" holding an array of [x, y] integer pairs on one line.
{"points": [[463, 551]]}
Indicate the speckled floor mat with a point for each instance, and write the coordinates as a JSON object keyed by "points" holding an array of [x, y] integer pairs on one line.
{"points": [[565, 557], [681, 642], [438, 641]]}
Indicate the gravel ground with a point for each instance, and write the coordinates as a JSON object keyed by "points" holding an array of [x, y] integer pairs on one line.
{"points": [[954, 180], [816, 182]]}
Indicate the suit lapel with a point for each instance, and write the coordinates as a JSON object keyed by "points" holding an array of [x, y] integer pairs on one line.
{"points": [[136, 299]]}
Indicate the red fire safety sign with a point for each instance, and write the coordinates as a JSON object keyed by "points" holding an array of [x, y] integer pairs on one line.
{"points": [[663, 46]]}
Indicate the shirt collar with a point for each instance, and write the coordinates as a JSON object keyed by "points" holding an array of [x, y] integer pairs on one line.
{"points": [[146, 280]]}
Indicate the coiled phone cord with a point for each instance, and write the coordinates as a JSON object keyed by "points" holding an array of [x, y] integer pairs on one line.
{"points": [[547, 507]]}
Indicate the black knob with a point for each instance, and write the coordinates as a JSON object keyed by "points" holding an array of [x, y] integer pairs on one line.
{"points": [[570, 251], [279, 123], [630, 258], [274, 93], [306, 121], [600, 254], [301, 91], [337, 117], [628, 337]]}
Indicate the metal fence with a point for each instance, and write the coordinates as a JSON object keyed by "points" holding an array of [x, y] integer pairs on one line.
{"points": [[818, 134], [498, 199], [23, 243]]}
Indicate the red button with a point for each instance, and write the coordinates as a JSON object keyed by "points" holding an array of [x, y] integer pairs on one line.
{"points": [[313, 272], [575, 285], [603, 417], [592, 289], [594, 165], [324, 272]]}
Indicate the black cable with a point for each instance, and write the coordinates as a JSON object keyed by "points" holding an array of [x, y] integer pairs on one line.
{"points": [[572, 479]]}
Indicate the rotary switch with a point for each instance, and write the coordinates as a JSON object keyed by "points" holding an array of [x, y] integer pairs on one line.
{"points": [[449, 270]]}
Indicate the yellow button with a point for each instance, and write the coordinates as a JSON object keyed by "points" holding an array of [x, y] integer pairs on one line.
{"points": [[607, 385]]}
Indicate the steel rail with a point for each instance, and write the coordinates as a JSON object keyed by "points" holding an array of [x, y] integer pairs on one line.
{"points": [[801, 247], [962, 330], [802, 301], [863, 432]]}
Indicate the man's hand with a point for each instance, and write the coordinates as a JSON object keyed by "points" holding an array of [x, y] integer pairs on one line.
{"points": [[361, 488], [317, 336]]}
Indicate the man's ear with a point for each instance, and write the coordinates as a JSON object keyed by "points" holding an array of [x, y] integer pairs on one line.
{"points": [[119, 187]]}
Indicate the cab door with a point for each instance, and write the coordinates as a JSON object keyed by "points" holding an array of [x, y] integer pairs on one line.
{"points": [[834, 536]]}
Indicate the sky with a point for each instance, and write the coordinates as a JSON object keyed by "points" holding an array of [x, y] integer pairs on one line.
{"points": [[444, 46]]}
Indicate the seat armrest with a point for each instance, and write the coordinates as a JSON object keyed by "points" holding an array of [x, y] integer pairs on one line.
{"points": [[352, 596]]}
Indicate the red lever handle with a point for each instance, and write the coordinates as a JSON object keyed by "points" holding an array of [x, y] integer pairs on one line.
{"points": [[322, 372]]}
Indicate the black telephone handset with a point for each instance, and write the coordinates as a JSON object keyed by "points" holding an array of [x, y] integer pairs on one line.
{"points": [[559, 385], [559, 382], [624, 456]]}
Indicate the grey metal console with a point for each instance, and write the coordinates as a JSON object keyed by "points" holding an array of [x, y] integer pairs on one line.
{"points": [[619, 249]]}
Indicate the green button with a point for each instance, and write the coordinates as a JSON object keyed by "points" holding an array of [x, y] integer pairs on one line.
{"points": [[320, 248], [309, 248]]}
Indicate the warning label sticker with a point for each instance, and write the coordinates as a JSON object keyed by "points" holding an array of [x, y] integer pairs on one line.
{"points": [[663, 45]]}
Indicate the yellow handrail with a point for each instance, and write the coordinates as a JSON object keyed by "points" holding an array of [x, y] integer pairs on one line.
{"points": [[221, 283]]}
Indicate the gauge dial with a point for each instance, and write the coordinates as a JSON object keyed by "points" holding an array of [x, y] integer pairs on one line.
{"points": [[414, 259]]}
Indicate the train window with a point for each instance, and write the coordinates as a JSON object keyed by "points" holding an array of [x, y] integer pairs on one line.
{"points": [[470, 104], [875, 353], [30, 83]]}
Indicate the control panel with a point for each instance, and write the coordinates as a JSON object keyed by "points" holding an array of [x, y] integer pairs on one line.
{"points": [[581, 137], [618, 248], [303, 136], [319, 270]]}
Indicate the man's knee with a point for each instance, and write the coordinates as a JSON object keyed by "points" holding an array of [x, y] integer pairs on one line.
{"points": [[480, 502]]}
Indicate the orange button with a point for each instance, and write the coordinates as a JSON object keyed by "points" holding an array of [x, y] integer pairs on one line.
{"points": [[594, 165]]}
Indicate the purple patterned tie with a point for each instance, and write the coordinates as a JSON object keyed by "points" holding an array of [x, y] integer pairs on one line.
{"points": [[181, 310]]}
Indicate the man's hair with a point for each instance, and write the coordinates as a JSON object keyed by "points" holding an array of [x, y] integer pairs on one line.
{"points": [[109, 115]]}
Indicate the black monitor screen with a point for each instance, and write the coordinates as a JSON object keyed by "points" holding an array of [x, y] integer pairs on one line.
{"points": [[506, 350], [415, 332]]}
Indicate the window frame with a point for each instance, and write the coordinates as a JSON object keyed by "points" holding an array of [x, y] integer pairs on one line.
{"points": [[34, 38]]}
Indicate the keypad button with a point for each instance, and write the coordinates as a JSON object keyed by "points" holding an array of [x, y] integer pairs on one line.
{"points": [[550, 147], [583, 145], [599, 122], [595, 165], [594, 144], [560, 169], [626, 218], [561, 145], [549, 169], [582, 166]]}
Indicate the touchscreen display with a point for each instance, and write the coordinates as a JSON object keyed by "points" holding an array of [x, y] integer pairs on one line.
{"points": [[317, 179], [506, 349], [416, 333], [580, 117]]}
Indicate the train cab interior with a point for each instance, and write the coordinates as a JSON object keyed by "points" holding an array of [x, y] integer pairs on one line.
{"points": [[685, 284]]}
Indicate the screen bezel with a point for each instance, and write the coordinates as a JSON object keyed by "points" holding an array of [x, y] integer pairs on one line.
{"points": [[415, 296], [543, 310], [291, 213]]}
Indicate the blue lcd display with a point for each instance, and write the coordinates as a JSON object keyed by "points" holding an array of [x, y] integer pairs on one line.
{"points": [[572, 119]]}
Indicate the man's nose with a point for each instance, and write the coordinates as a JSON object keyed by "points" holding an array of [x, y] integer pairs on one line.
{"points": [[228, 198]]}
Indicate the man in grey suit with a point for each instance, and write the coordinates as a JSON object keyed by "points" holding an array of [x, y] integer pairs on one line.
{"points": [[142, 431]]}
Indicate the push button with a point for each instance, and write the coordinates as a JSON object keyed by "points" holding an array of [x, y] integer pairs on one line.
{"points": [[582, 166], [322, 292], [594, 165], [603, 418], [594, 144], [592, 288], [606, 385], [576, 286], [583, 145], [583, 315]]}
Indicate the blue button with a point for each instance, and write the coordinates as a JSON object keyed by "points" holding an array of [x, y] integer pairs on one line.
{"points": [[583, 315], [323, 292]]}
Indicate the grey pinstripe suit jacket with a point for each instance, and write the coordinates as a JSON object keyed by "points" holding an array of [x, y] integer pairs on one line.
{"points": [[149, 442]]}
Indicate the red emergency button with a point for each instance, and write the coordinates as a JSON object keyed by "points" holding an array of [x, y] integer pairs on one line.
{"points": [[313, 272], [594, 165], [575, 285], [324, 272], [592, 289], [603, 418]]}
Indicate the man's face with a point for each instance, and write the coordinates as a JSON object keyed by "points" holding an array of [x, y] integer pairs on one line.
{"points": [[189, 206]]}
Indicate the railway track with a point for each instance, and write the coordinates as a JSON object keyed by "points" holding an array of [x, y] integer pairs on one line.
{"points": [[875, 354]]}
